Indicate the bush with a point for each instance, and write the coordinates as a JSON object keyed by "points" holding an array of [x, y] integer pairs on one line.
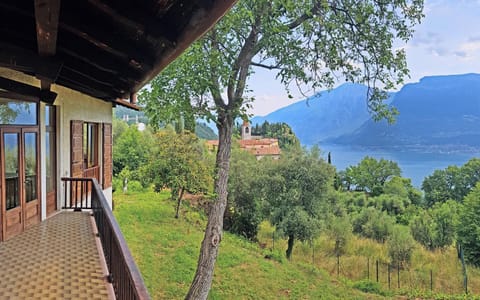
{"points": [[400, 246], [435, 228], [340, 231], [469, 229], [368, 286], [373, 223]]}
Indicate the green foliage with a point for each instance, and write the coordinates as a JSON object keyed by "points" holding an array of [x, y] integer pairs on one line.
{"points": [[374, 224], [131, 148], [422, 227], [204, 132], [370, 175], [177, 162], [445, 216], [308, 43], [285, 36], [243, 214], [451, 183], [118, 128], [165, 251], [340, 231], [400, 246], [469, 227], [394, 205], [281, 131], [294, 188], [368, 286]]}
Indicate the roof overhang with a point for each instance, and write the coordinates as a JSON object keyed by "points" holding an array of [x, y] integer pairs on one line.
{"points": [[108, 49]]}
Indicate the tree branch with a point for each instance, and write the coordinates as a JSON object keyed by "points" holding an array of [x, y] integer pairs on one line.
{"points": [[269, 67]]}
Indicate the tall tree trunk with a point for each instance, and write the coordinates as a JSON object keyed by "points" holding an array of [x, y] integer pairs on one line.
{"points": [[179, 201], [291, 241], [213, 233]]}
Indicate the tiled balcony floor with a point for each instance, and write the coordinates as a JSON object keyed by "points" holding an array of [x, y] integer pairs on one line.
{"points": [[56, 259]]}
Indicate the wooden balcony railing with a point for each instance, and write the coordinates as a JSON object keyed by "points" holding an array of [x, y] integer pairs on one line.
{"points": [[92, 172], [123, 273]]}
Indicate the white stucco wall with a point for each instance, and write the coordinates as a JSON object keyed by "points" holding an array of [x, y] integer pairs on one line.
{"points": [[70, 105]]}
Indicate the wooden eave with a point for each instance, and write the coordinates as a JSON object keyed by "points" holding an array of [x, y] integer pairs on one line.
{"points": [[108, 49]]}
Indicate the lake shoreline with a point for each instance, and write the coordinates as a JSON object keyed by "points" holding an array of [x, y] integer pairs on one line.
{"points": [[416, 163]]}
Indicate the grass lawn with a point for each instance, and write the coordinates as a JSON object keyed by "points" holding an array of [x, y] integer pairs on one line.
{"points": [[166, 251]]}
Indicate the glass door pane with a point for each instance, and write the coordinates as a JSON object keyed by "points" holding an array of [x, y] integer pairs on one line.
{"points": [[30, 156], [12, 165], [50, 163]]}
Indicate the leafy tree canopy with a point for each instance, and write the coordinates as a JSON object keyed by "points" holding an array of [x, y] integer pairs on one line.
{"points": [[370, 175], [177, 162], [243, 214], [451, 183], [295, 188], [131, 147], [469, 227], [281, 131]]}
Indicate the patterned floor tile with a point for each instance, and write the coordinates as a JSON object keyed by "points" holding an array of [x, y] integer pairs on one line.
{"points": [[56, 259]]}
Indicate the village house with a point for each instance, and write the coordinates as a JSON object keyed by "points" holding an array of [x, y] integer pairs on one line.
{"points": [[63, 66], [256, 145]]}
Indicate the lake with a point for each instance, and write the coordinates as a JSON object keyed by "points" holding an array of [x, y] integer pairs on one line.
{"points": [[415, 165]]}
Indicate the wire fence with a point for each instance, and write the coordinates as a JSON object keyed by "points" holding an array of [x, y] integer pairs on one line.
{"points": [[440, 273], [395, 276]]}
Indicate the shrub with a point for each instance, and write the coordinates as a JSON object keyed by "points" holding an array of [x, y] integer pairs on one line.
{"points": [[374, 224], [368, 286], [340, 231], [469, 229], [400, 246]]}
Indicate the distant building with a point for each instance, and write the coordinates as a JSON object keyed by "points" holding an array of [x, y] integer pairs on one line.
{"points": [[257, 145]]}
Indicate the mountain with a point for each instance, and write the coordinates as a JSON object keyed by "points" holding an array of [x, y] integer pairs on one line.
{"points": [[328, 114], [437, 113], [203, 131]]}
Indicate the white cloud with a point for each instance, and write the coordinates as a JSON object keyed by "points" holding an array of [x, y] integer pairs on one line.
{"points": [[470, 49]]}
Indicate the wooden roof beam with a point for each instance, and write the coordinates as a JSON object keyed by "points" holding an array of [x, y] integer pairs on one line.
{"points": [[46, 19], [202, 21], [27, 61], [26, 89]]}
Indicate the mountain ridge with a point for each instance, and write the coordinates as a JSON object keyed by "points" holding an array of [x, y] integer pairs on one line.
{"points": [[437, 112]]}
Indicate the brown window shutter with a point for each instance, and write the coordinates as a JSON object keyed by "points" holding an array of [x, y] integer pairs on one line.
{"points": [[107, 155], [76, 145]]}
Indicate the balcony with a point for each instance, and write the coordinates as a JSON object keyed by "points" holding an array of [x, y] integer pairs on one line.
{"points": [[72, 255]]}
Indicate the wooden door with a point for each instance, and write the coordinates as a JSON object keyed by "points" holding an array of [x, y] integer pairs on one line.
{"points": [[30, 174], [51, 159], [12, 212], [20, 173]]}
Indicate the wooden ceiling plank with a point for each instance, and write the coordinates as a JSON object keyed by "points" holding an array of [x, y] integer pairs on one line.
{"points": [[139, 23], [100, 76], [200, 22], [85, 89], [107, 42], [90, 83], [46, 16], [46, 19]]}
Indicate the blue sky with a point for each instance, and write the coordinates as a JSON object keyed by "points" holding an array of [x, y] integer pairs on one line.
{"points": [[446, 42]]}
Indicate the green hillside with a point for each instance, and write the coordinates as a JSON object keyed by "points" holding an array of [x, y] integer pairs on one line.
{"points": [[204, 132], [166, 251]]}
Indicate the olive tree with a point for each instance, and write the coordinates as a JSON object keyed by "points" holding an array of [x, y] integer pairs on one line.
{"points": [[295, 189]]}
